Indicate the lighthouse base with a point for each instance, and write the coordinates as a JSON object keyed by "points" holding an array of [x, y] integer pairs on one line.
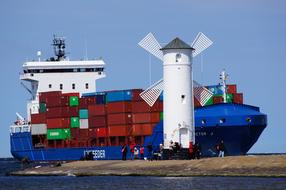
{"points": [[171, 154]]}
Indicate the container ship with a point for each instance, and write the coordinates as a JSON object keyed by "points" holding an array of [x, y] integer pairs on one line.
{"points": [[67, 119]]}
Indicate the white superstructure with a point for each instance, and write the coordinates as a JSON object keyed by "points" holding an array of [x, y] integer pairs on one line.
{"points": [[60, 74]]}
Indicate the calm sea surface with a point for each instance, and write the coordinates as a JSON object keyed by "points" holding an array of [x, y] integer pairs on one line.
{"points": [[120, 183]]}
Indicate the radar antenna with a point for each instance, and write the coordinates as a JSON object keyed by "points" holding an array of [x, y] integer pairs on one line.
{"points": [[59, 48]]}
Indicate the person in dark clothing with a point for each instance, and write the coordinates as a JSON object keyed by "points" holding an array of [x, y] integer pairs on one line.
{"points": [[197, 149], [124, 152], [221, 149], [150, 150]]}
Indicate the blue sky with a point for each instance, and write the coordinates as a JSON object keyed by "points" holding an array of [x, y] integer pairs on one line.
{"points": [[249, 42]]}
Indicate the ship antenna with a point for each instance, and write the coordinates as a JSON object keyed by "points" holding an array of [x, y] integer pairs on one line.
{"points": [[223, 76], [59, 48]]}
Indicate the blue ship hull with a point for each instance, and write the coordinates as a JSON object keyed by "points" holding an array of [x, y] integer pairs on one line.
{"points": [[239, 126]]}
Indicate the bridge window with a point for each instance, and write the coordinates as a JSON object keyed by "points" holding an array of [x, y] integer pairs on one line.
{"points": [[86, 85], [73, 86], [50, 85], [61, 86]]}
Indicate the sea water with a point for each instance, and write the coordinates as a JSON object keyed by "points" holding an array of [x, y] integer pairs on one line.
{"points": [[119, 183]]}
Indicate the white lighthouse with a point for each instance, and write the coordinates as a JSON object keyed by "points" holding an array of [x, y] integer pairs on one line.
{"points": [[178, 104], [177, 87]]}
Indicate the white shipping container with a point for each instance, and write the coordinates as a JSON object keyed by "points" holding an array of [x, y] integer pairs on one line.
{"points": [[39, 129], [83, 123]]}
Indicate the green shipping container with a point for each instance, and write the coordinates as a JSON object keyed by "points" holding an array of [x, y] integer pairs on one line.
{"points": [[74, 101], [74, 122], [229, 98], [43, 107], [83, 114], [58, 134], [209, 102], [161, 115]]}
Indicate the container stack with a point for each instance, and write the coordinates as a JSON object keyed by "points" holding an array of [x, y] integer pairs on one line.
{"points": [[108, 118], [231, 97]]}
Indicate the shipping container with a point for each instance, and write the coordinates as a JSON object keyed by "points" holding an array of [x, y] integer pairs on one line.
{"points": [[73, 101], [231, 88], [54, 123], [136, 95], [53, 101], [209, 102], [153, 117], [197, 103], [74, 122], [83, 113], [119, 130], [238, 98], [83, 123], [83, 134], [215, 89], [44, 95], [54, 134], [229, 98], [92, 133], [118, 107], [97, 121], [161, 116], [39, 129], [38, 118], [71, 94], [217, 99], [85, 101], [70, 112], [143, 107], [43, 107], [119, 119], [54, 112], [96, 110], [101, 132], [75, 134], [118, 96], [161, 97], [142, 129], [100, 99], [64, 101]]}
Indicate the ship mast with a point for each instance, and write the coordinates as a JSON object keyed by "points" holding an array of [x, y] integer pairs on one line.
{"points": [[223, 76]]}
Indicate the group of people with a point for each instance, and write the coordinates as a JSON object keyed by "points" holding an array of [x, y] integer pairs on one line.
{"points": [[137, 151]]}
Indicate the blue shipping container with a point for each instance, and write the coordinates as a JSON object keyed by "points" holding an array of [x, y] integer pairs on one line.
{"points": [[83, 114], [117, 96], [100, 99], [216, 89]]}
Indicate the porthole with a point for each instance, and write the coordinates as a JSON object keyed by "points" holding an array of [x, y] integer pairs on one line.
{"points": [[248, 119], [222, 120], [203, 121]]}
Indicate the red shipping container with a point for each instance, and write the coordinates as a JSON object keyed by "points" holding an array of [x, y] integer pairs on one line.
{"points": [[75, 133], [64, 101], [92, 133], [136, 95], [70, 112], [119, 119], [71, 94], [217, 99], [101, 132], [97, 121], [238, 98], [96, 110], [54, 112], [197, 103], [57, 123], [119, 130], [118, 107], [38, 118], [83, 134], [143, 107], [44, 95], [231, 88], [53, 101], [86, 101], [153, 117]]}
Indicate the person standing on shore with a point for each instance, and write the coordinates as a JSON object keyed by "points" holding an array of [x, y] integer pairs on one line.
{"points": [[221, 149], [124, 152]]}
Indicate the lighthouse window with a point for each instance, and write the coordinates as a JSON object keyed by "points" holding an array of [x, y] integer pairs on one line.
{"points": [[61, 86], [178, 57], [50, 85], [73, 86], [183, 98], [86, 85]]}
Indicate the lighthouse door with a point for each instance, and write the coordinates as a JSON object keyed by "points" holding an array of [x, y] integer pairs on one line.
{"points": [[184, 140]]}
